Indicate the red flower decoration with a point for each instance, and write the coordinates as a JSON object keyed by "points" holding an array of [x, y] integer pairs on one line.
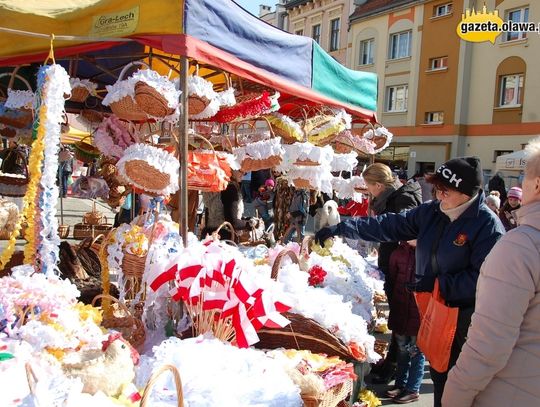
{"points": [[316, 276]]}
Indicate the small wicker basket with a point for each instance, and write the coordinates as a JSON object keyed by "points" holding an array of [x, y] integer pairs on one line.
{"points": [[127, 108], [331, 398], [150, 101], [79, 94], [132, 328], [153, 379]]}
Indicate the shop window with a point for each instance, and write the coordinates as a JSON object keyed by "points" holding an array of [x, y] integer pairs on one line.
{"points": [[400, 45], [436, 64], [519, 15], [334, 34], [511, 89], [442, 10], [367, 48], [396, 98], [316, 33], [434, 117]]}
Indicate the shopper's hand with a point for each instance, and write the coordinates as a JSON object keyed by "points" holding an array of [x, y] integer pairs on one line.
{"points": [[325, 233]]}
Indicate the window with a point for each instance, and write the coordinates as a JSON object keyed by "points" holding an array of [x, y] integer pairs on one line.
{"points": [[511, 90], [498, 153], [442, 10], [316, 33], [434, 117], [334, 34], [299, 32], [396, 98], [520, 15], [436, 64], [400, 45], [366, 51]]}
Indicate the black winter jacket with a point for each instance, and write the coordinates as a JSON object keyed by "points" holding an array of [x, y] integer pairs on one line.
{"points": [[406, 197], [462, 245]]}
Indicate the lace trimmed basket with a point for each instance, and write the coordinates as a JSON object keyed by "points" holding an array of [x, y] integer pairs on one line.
{"points": [[16, 110]]}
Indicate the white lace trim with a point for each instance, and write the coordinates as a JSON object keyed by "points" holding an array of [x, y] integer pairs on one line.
{"points": [[345, 162], [319, 177], [304, 152], [162, 84], [345, 188], [380, 132], [227, 98], [160, 159], [201, 87], [83, 83], [18, 99], [119, 90], [259, 150]]}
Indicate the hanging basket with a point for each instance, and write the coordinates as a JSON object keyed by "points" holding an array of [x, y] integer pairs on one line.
{"points": [[21, 117], [378, 135], [126, 107], [151, 101], [63, 231], [260, 155], [15, 185], [86, 152], [207, 170]]}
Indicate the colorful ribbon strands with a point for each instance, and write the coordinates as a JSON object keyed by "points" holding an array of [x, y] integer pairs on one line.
{"points": [[221, 298], [39, 203]]}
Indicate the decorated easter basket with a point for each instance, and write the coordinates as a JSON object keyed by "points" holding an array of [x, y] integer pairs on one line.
{"points": [[126, 107], [285, 127], [259, 155], [16, 110], [155, 94], [123, 321], [302, 332], [378, 135], [149, 168], [81, 89], [207, 170], [15, 185]]}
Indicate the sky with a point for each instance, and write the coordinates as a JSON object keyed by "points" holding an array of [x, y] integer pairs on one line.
{"points": [[253, 5]]}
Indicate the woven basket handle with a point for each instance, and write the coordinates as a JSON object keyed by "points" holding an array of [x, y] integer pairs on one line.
{"points": [[229, 226], [31, 378], [253, 124], [277, 262], [306, 244], [115, 300], [13, 75], [131, 64], [153, 379]]}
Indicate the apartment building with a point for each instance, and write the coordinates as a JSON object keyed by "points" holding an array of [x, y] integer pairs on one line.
{"points": [[441, 96], [326, 21], [276, 15]]}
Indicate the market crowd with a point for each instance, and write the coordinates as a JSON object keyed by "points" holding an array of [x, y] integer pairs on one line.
{"points": [[479, 260]]}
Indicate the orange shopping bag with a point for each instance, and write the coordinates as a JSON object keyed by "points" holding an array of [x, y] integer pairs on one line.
{"points": [[437, 330]]}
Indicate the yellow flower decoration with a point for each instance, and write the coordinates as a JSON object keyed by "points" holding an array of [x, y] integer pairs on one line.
{"points": [[368, 397]]}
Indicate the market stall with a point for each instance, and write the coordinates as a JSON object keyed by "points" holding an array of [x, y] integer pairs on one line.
{"points": [[172, 109]]}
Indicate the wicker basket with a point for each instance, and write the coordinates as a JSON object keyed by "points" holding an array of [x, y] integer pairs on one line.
{"points": [[83, 231], [63, 231], [8, 132], [12, 185], [127, 108], [79, 94], [153, 379], [331, 398], [132, 329], [145, 175], [150, 101], [301, 333], [86, 152], [17, 118], [94, 217]]}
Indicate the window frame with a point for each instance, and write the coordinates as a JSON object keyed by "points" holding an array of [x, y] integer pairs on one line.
{"points": [[334, 34], [398, 35], [518, 96], [299, 32], [389, 99], [318, 40], [521, 35], [448, 7], [442, 67], [370, 42], [498, 153], [428, 119]]}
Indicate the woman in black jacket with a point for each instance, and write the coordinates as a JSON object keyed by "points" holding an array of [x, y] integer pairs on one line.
{"points": [[454, 235]]}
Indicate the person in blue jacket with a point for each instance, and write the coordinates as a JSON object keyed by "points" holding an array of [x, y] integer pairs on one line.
{"points": [[454, 235]]}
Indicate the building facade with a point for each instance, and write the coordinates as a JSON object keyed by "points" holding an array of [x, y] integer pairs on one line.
{"points": [[276, 15], [326, 21], [441, 96]]}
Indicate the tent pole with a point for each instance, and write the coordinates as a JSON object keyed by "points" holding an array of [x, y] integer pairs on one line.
{"points": [[182, 150]]}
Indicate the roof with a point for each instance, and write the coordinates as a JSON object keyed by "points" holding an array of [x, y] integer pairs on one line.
{"points": [[371, 7]]}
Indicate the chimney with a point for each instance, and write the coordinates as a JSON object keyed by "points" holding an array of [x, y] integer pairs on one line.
{"points": [[264, 9]]}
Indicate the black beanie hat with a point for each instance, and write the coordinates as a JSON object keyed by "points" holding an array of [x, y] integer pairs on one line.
{"points": [[463, 174]]}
